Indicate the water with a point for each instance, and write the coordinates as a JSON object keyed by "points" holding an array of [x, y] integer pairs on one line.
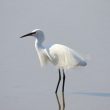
{"points": [[24, 99], [83, 25]]}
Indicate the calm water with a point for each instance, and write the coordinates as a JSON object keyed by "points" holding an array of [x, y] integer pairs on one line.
{"points": [[24, 99], [83, 25]]}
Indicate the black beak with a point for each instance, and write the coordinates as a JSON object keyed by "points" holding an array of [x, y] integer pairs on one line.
{"points": [[29, 34]]}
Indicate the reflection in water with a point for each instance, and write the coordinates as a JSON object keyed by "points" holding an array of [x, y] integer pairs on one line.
{"points": [[61, 102]]}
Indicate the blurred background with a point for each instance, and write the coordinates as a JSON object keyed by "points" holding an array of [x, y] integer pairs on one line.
{"points": [[82, 25]]}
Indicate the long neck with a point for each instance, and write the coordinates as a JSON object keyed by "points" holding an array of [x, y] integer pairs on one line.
{"points": [[38, 45]]}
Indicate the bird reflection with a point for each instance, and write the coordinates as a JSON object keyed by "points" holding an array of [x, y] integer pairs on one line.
{"points": [[61, 101]]}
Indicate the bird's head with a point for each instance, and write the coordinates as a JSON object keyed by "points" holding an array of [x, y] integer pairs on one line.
{"points": [[37, 33]]}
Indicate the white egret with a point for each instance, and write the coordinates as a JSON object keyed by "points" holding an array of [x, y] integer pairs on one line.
{"points": [[60, 55]]}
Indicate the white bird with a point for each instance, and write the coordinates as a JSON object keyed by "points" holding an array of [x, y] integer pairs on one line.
{"points": [[60, 55]]}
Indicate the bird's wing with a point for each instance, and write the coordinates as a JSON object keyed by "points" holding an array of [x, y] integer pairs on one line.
{"points": [[48, 55], [65, 57]]}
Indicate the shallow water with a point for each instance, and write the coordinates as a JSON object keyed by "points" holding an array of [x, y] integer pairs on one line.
{"points": [[83, 25], [24, 99]]}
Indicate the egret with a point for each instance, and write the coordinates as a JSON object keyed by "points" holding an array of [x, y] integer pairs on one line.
{"points": [[60, 55]]}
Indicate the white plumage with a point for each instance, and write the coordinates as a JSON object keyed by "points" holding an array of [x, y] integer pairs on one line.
{"points": [[60, 55], [64, 57]]}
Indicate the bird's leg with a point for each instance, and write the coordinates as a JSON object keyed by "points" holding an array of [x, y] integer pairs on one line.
{"points": [[63, 99], [63, 81], [59, 104], [58, 81]]}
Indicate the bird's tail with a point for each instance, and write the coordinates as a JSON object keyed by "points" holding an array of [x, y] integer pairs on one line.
{"points": [[83, 63], [87, 58]]}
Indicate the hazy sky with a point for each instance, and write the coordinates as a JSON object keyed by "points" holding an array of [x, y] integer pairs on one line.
{"points": [[83, 25]]}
